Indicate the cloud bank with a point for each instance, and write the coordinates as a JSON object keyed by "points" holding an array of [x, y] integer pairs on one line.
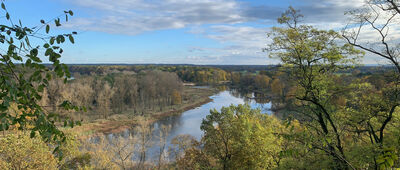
{"points": [[233, 23]]}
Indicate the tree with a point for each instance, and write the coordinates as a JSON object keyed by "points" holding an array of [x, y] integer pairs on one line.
{"points": [[194, 157], [218, 135], [366, 115], [23, 76], [262, 81], [123, 149], [103, 155], [313, 56], [378, 18], [103, 98], [144, 132], [277, 87], [19, 151], [235, 77], [241, 137], [256, 143], [176, 97], [180, 144], [163, 153]]}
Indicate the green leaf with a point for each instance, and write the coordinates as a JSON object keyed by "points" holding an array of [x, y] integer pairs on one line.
{"points": [[56, 149], [33, 133], [390, 162], [52, 40], [71, 38], [8, 16], [58, 39], [28, 62], [48, 52], [57, 22], [47, 28], [36, 59], [3, 6], [27, 41], [70, 13], [34, 52], [41, 88], [71, 124], [45, 81]]}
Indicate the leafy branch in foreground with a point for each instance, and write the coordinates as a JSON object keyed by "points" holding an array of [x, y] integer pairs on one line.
{"points": [[23, 76]]}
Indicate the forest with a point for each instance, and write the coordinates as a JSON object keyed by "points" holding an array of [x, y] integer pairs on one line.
{"points": [[115, 93], [326, 109]]}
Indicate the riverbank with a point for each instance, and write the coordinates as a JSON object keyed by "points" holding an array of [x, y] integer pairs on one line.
{"points": [[192, 98]]}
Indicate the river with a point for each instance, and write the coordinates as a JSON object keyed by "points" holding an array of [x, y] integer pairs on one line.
{"points": [[189, 121]]}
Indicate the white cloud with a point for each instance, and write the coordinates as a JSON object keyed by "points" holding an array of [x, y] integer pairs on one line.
{"points": [[227, 18], [370, 38], [133, 17], [136, 16], [241, 44]]}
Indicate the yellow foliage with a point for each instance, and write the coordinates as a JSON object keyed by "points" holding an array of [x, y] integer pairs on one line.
{"points": [[14, 111], [277, 87], [176, 97], [19, 151], [262, 81], [102, 155]]}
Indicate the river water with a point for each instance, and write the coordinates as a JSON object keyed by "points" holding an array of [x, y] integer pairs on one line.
{"points": [[189, 121]]}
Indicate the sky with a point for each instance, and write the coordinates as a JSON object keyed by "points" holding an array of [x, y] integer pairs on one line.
{"points": [[176, 31]]}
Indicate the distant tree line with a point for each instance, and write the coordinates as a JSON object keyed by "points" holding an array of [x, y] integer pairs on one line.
{"points": [[194, 74], [103, 95]]}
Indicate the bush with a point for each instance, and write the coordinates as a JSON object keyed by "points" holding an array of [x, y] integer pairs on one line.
{"points": [[19, 151]]}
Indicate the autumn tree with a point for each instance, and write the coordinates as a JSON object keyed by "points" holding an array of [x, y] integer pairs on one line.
{"points": [[176, 97], [144, 136], [277, 87], [180, 144], [377, 18], [313, 56], [194, 156], [162, 144], [241, 137], [18, 151], [257, 145], [125, 92], [103, 98], [235, 77], [123, 149], [262, 81]]}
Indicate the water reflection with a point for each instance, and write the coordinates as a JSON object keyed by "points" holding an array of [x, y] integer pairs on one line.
{"points": [[189, 121]]}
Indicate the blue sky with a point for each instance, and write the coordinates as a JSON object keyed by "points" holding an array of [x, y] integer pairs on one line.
{"points": [[174, 31]]}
